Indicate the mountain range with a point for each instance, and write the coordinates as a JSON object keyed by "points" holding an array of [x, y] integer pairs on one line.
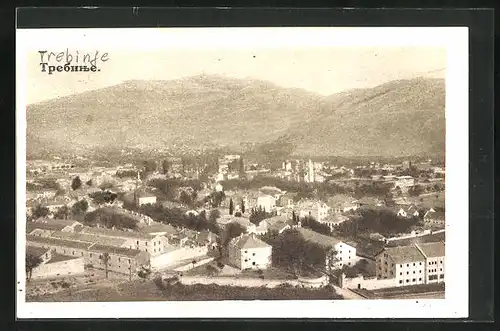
{"points": [[399, 118]]}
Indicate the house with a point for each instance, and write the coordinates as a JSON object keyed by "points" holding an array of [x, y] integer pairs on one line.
{"points": [[276, 224], [368, 202], [45, 254], [224, 220], [334, 219], [56, 265], [120, 259], [339, 253], [408, 211], [266, 202], [286, 200], [151, 244], [144, 198], [433, 217], [404, 182], [412, 265], [219, 188], [310, 208], [248, 252], [159, 229], [52, 225], [341, 203]]}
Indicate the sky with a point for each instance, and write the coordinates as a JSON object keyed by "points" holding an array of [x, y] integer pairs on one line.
{"points": [[320, 69]]}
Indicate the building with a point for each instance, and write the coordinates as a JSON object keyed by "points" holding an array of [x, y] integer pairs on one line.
{"points": [[408, 211], [433, 217], [404, 182], [266, 202], [339, 253], [315, 209], [121, 260], [412, 265], [144, 198], [151, 244], [248, 252]]}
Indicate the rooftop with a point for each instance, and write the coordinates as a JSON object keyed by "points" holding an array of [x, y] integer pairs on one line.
{"points": [[116, 233], [248, 241], [89, 238], [30, 226], [435, 249], [435, 214], [404, 254], [155, 228], [58, 242], [59, 258], [115, 250], [36, 251], [318, 238]]}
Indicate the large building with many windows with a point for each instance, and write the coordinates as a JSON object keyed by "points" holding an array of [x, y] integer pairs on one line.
{"points": [[412, 265]]}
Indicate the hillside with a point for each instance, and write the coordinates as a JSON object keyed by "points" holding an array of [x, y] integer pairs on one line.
{"points": [[398, 118]]}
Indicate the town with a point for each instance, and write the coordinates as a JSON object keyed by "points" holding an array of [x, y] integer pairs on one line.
{"points": [[312, 228]]}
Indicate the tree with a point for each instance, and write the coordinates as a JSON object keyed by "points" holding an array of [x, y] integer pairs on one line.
{"points": [[106, 186], [242, 206], [103, 197], [241, 169], [40, 211], [231, 231], [311, 223], [89, 183], [76, 183], [214, 215], [415, 191], [80, 207], [231, 207], [105, 260], [165, 166], [32, 261], [62, 213], [185, 198]]}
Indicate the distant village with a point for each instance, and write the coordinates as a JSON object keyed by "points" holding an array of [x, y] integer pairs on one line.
{"points": [[361, 230]]}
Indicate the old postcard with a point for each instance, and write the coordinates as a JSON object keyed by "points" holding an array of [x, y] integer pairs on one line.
{"points": [[276, 172]]}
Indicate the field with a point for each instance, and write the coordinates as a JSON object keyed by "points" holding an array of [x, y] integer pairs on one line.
{"points": [[148, 290], [424, 291]]}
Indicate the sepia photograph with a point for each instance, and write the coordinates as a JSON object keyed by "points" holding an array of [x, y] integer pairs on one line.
{"points": [[247, 167]]}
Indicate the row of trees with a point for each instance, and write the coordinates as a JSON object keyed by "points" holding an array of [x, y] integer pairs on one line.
{"points": [[177, 217], [63, 212], [383, 221], [110, 220]]}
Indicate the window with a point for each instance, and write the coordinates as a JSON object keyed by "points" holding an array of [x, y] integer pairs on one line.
{"points": [[118, 259], [441, 276], [441, 262], [146, 243], [420, 263], [154, 250], [413, 271], [407, 280], [246, 260], [146, 249], [400, 282], [73, 253], [413, 264], [407, 272], [253, 263], [90, 254], [137, 242], [246, 252], [414, 280], [128, 261], [420, 271], [154, 243], [440, 269], [253, 254], [400, 265], [408, 265], [401, 274]]}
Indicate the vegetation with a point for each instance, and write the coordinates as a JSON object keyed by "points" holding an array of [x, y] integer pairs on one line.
{"points": [[40, 211], [105, 260], [103, 197], [62, 213], [178, 291], [231, 207], [110, 219], [311, 223], [177, 217], [292, 252], [32, 262], [383, 221], [257, 215], [76, 183], [80, 207], [360, 268]]}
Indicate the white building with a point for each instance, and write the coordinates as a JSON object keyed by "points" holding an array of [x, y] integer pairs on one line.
{"points": [[248, 252], [412, 265], [339, 253], [266, 202], [316, 209]]}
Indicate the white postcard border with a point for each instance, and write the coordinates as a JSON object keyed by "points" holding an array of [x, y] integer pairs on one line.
{"points": [[455, 39]]}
